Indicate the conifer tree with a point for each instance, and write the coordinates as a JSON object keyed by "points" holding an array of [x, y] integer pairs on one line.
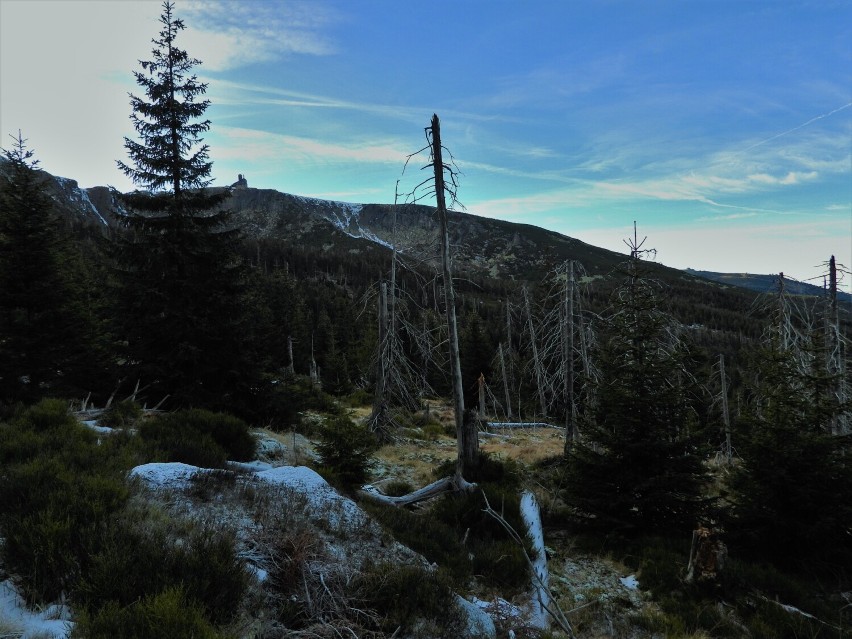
{"points": [[790, 493], [182, 277], [638, 469], [47, 339]]}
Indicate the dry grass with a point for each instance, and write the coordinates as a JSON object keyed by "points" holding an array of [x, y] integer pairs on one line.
{"points": [[414, 460], [9, 629]]}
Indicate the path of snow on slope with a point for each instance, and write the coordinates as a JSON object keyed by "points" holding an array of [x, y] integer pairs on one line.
{"points": [[79, 195], [344, 215], [50, 623]]}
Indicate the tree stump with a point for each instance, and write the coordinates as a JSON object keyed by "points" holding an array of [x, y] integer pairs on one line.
{"points": [[706, 557]]}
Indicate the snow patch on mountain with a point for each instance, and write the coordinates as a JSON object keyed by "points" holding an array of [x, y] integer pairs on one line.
{"points": [[79, 196], [346, 218]]}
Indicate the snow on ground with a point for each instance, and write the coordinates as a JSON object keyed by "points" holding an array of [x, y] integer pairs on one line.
{"points": [[630, 582], [321, 496], [51, 623], [167, 475], [92, 424]]}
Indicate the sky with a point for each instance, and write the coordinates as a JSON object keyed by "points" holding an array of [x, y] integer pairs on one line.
{"points": [[722, 128]]}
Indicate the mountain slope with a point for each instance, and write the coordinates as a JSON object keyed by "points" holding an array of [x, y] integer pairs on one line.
{"points": [[766, 283]]}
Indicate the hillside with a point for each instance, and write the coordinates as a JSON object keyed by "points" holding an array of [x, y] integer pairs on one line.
{"points": [[767, 283]]}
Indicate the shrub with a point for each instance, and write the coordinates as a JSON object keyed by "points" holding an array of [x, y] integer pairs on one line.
{"points": [[408, 595], [346, 449], [121, 414], [170, 442], [166, 614], [148, 558], [200, 437], [397, 488], [229, 432], [46, 415], [291, 397], [437, 533], [57, 491]]}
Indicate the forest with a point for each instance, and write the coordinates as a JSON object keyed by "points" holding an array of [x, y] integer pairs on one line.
{"points": [[687, 410]]}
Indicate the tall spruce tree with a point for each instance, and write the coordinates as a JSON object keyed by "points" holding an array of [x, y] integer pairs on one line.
{"points": [[48, 340], [638, 468], [182, 277]]}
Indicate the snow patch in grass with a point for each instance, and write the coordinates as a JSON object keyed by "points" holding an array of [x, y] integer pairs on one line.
{"points": [[50, 623], [630, 582]]}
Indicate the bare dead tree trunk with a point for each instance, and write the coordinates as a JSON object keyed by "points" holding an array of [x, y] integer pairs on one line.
{"points": [[508, 375], [379, 420], [467, 434], [571, 432], [835, 360], [315, 375], [291, 369], [505, 381], [727, 452], [481, 383], [539, 372]]}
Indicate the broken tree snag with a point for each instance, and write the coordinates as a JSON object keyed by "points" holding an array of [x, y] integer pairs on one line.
{"points": [[467, 434], [707, 557]]}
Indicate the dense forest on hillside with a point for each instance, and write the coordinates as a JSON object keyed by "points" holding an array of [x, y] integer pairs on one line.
{"points": [[686, 405]]}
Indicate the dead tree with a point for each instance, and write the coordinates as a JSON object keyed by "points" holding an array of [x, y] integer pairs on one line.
{"points": [[467, 434], [379, 421], [291, 368], [538, 365], [467, 430], [727, 448], [508, 396], [835, 353]]}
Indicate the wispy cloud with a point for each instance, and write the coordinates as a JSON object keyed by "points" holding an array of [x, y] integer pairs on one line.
{"points": [[228, 34], [798, 127], [250, 145], [245, 94]]}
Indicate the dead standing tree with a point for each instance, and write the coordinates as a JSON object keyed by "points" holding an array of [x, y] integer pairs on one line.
{"points": [[467, 432], [444, 184], [835, 351]]}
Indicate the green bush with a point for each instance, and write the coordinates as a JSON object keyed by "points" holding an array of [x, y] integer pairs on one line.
{"points": [[46, 415], [168, 441], [121, 414], [229, 432], [397, 488], [166, 614], [408, 595], [346, 449], [149, 558], [438, 534], [289, 398], [57, 491], [199, 437]]}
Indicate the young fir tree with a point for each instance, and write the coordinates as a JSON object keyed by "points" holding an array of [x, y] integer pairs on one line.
{"points": [[48, 341], [182, 278], [790, 495], [638, 468]]}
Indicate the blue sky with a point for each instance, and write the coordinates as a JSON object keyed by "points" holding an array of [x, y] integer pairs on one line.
{"points": [[723, 128]]}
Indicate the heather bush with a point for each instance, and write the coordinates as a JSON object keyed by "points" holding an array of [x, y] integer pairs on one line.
{"points": [[170, 613], [198, 437]]}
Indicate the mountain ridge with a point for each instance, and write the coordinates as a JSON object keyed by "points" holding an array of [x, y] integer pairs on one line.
{"points": [[482, 246]]}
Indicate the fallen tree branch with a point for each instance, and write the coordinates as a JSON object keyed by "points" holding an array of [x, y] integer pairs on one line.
{"points": [[550, 606], [455, 483]]}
